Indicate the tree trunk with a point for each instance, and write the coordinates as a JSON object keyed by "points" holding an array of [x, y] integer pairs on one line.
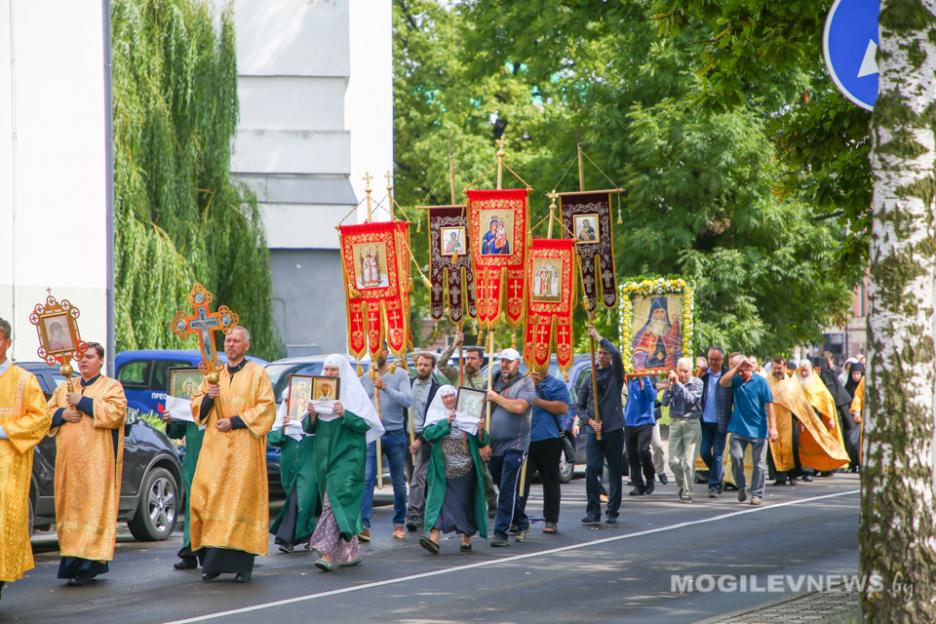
{"points": [[898, 514]]}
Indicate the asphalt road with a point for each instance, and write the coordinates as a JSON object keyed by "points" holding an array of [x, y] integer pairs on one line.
{"points": [[580, 575]]}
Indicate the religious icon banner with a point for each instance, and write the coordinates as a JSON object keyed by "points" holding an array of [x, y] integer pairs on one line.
{"points": [[450, 264], [655, 324], [551, 281], [586, 216], [376, 279], [57, 325], [498, 224]]}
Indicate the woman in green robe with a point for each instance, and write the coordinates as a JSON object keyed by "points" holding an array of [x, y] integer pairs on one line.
{"points": [[295, 522], [455, 501], [193, 435], [343, 428]]}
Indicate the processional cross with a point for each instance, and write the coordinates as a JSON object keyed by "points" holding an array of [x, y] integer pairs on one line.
{"points": [[203, 323]]}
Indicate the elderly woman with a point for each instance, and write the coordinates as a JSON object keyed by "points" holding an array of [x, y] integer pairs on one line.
{"points": [[455, 501]]}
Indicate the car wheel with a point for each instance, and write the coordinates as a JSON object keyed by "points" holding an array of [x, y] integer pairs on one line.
{"points": [[157, 509]]}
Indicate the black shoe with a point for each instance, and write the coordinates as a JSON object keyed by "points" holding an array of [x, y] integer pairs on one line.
{"points": [[780, 482], [2, 583], [286, 548], [186, 564], [713, 492], [637, 491], [464, 548], [210, 577], [412, 527], [242, 578], [427, 543], [499, 541], [807, 478], [591, 520], [650, 487], [79, 581], [663, 478], [611, 520]]}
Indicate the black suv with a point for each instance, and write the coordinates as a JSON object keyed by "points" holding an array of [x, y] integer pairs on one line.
{"points": [[150, 489]]}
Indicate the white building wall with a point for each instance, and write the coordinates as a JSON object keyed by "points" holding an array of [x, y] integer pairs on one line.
{"points": [[303, 146], [54, 169]]}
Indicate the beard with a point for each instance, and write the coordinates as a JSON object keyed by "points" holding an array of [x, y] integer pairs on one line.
{"points": [[804, 380], [658, 327]]}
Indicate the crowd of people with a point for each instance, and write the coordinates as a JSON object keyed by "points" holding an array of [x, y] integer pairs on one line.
{"points": [[791, 421]]}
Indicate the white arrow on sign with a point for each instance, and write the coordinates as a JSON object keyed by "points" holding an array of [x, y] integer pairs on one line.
{"points": [[869, 62]]}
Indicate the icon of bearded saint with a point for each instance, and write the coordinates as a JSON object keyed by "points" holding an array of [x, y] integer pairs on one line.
{"points": [[657, 343]]}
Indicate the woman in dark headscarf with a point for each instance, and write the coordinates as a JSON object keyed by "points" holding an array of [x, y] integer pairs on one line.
{"points": [[843, 404], [854, 378]]}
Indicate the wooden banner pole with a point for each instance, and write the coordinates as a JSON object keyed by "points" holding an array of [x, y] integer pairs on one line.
{"points": [[373, 368]]}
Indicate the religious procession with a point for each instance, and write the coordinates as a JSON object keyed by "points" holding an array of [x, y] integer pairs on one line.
{"points": [[457, 311]]}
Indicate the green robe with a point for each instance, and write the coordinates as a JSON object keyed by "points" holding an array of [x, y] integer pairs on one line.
{"points": [[177, 430], [435, 478], [297, 473], [339, 457]]}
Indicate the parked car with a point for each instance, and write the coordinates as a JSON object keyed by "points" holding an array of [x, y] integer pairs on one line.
{"points": [[152, 473]]}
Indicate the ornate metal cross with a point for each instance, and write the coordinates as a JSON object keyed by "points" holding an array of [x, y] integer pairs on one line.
{"points": [[203, 324]]}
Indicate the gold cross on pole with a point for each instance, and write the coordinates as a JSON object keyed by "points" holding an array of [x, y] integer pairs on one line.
{"points": [[203, 323], [389, 178], [367, 191]]}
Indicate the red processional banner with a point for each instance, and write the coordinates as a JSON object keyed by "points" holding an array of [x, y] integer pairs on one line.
{"points": [[450, 267], [586, 215], [498, 224], [375, 262], [551, 280]]}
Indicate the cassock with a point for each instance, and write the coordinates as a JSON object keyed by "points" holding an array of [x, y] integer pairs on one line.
{"points": [[857, 407], [88, 470], [24, 421], [295, 522], [817, 446], [193, 436], [230, 511]]}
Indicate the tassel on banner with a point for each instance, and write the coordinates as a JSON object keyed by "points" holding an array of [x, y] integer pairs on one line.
{"points": [[360, 370], [620, 221]]}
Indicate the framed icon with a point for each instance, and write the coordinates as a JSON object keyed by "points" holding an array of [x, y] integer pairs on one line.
{"points": [[58, 333], [586, 228], [470, 402], [326, 388], [546, 279], [370, 262], [496, 232], [184, 382], [453, 241], [300, 393]]}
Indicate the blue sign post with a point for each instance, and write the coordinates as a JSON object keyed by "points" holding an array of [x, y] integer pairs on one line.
{"points": [[850, 43]]}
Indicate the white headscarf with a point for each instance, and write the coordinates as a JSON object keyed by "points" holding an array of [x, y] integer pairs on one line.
{"points": [[354, 398], [437, 411]]}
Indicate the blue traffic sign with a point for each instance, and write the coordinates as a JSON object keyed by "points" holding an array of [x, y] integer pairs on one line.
{"points": [[850, 43]]}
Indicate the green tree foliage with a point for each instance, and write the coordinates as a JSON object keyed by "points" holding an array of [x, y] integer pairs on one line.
{"points": [[179, 216], [712, 191]]}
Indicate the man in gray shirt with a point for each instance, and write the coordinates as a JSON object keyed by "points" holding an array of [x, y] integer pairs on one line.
{"points": [[512, 399], [424, 387], [684, 398], [395, 397]]}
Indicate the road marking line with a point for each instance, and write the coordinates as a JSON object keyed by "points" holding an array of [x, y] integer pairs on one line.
{"points": [[482, 564]]}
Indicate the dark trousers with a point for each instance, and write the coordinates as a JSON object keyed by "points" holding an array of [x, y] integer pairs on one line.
{"points": [[505, 469], [639, 455], [611, 449], [544, 458], [712, 451]]}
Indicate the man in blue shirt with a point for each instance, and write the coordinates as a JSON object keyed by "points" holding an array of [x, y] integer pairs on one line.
{"points": [[752, 420], [716, 412], [638, 427], [549, 407]]}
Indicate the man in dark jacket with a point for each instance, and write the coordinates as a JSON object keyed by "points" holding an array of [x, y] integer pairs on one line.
{"points": [[424, 387], [610, 382], [716, 412]]}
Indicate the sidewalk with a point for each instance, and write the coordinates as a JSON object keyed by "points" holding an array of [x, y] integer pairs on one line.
{"points": [[826, 607]]}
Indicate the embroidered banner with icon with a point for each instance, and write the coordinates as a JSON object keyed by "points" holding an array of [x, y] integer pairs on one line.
{"points": [[586, 217], [656, 317], [551, 281], [450, 264], [498, 224], [376, 279]]}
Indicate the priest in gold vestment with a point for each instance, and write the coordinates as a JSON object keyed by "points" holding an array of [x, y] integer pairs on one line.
{"points": [[24, 421], [230, 512], [88, 427]]}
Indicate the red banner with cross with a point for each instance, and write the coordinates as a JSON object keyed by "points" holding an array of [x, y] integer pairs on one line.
{"points": [[376, 280], [498, 222], [550, 275]]}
